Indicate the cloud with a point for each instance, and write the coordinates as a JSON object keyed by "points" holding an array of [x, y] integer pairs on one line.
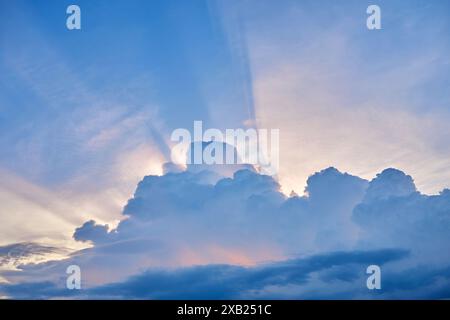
{"points": [[245, 217], [14, 255], [242, 237], [220, 281], [88, 143], [394, 213], [41, 290], [97, 127], [91, 231], [390, 183], [225, 281], [334, 275]]}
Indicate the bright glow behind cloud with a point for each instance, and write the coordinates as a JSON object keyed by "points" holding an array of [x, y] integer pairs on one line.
{"points": [[338, 97]]}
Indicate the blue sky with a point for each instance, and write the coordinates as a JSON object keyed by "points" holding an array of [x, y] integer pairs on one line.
{"points": [[86, 114]]}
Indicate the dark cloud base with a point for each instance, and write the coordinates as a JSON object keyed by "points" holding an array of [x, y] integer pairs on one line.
{"points": [[225, 281]]}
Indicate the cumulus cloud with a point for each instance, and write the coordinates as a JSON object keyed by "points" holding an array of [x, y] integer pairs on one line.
{"points": [[91, 231], [390, 183], [393, 212], [240, 236], [243, 219]]}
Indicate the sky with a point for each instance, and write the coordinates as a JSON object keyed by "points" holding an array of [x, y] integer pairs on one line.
{"points": [[86, 118]]}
